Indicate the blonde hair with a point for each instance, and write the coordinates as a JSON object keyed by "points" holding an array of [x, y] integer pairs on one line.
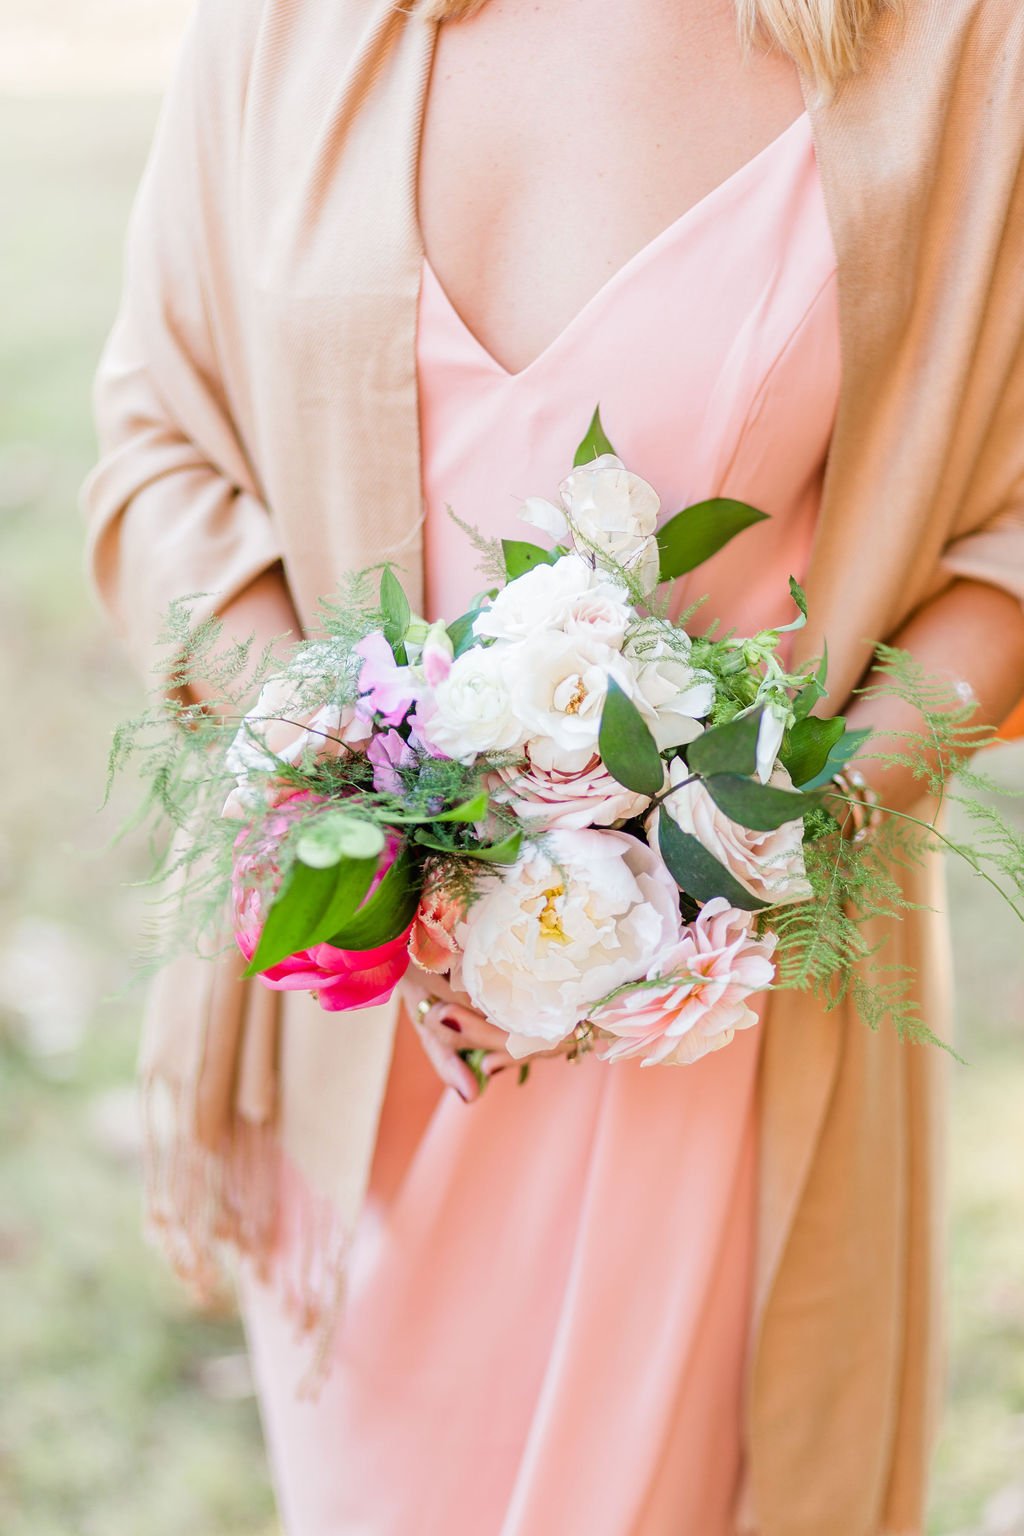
{"points": [[826, 38]]}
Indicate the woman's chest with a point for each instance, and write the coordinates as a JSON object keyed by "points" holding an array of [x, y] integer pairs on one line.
{"points": [[559, 140]]}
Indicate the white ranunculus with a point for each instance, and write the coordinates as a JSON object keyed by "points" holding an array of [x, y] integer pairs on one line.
{"points": [[557, 597], [576, 917], [559, 683], [673, 696], [607, 509], [470, 711], [770, 865]]}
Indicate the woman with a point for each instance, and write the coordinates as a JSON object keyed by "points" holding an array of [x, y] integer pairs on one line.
{"points": [[383, 260]]}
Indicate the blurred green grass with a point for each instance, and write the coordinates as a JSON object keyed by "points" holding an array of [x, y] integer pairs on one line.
{"points": [[131, 1416]]}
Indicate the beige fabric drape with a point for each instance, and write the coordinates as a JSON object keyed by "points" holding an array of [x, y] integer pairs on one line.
{"points": [[257, 401]]}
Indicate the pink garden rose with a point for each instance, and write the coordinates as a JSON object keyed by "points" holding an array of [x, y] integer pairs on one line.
{"points": [[339, 978], [701, 997], [553, 797]]}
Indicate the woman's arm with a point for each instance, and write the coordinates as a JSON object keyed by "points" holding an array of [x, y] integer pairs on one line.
{"points": [[174, 506], [971, 634]]}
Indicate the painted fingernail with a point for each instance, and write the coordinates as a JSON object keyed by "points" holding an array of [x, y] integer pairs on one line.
{"points": [[452, 1024], [493, 1071], [463, 1096]]}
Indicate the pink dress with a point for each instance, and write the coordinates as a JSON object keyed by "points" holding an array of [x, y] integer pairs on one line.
{"points": [[550, 1290]]}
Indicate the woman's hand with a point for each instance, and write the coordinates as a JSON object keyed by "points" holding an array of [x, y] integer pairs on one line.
{"points": [[451, 1024]]}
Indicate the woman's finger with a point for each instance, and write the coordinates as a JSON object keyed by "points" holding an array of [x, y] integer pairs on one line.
{"points": [[471, 1029]]}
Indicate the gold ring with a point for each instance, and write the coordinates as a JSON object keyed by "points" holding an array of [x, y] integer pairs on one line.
{"points": [[424, 1006]]}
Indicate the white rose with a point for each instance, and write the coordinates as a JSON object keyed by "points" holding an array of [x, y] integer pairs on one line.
{"points": [[470, 711], [560, 596], [562, 928], [668, 691], [770, 865], [608, 509], [559, 684]]}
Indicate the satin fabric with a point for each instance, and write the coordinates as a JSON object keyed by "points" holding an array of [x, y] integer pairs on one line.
{"points": [[550, 1290]]}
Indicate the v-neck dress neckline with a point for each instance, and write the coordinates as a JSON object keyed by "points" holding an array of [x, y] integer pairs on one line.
{"points": [[705, 208]]}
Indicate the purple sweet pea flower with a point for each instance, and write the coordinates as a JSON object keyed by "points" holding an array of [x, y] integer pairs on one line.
{"points": [[388, 752], [386, 688]]}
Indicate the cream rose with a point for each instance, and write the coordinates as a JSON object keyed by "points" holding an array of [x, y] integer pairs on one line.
{"points": [[575, 918], [607, 509], [674, 696], [569, 595], [282, 730], [770, 865], [559, 685]]}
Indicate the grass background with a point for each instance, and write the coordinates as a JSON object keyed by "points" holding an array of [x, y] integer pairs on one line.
{"points": [[129, 1415]]}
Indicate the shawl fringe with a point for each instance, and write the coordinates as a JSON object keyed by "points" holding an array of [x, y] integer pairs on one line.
{"points": [[244, 1201]]}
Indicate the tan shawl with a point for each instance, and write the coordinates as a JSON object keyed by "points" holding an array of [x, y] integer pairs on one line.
{"points": [[257, 401]]}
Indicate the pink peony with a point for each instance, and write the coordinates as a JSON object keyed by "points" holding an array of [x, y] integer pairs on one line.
{"points": [[432, 944], [553, 797], [705, 979], [340, 978]]}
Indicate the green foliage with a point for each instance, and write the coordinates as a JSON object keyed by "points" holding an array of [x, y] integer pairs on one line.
{"points": [[697, 871], [521, 556], [594, 443], [627, 748], [698, 532]]}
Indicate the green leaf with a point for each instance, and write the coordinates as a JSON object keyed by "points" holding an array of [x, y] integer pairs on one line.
{"points": [[469, 810], [521, 556], [505, 852], [698, 532], [761, 807], [847, 747], [627, 748], [385, 914], [338, 835], [460, 631], [594, 444], [730, 748], [474, 1059], [696, 871], [808, 746], [298, 905], [394, 607], [310, 904]]}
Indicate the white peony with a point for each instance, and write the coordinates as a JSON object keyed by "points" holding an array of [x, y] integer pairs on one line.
{"points": [[607, 509], [571, 921], [470, 711], [559, 683], [770, 865], [569, 595]]}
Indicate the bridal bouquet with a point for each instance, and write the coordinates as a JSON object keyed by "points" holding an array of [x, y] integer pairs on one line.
{"points": [[596, 822]]}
